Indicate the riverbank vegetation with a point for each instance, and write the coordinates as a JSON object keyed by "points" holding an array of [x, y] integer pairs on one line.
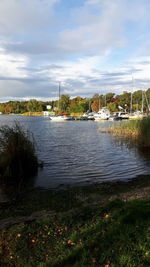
{"points": [[18, 160], [138, 130], [79, 104], [98, 225]]}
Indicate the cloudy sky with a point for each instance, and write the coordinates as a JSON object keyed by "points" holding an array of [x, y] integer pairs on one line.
{"points": [[91, 46]]}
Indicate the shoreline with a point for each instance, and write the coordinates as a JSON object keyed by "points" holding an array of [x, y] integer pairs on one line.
{"points": [[37, 199]]}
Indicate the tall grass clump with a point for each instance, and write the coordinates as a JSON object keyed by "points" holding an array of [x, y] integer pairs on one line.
{"points": [[18, 158], [139, 130]]}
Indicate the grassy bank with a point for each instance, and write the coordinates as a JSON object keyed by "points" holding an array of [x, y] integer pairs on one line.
{"points": [[139, 130], [98, 225], [32, 114]]}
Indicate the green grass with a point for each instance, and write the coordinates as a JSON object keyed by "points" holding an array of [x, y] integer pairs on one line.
{"points": [[139, 130], [87, 229], [114, 235]]}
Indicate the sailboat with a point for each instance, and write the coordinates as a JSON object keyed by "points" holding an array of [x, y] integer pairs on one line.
{"points": [[140, 114], [58, 118], [137, 115]]}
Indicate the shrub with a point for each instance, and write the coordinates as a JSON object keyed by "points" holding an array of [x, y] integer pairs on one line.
{"points": [[18, 159]]}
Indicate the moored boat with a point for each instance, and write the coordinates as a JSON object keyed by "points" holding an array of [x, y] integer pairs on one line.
{"points": [[114, 118], [61, 118], [138, 115], [58, 118], [122, 115], [102, 114]]}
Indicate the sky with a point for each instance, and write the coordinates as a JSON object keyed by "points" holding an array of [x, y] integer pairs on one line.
{"points": [[90, 46]]}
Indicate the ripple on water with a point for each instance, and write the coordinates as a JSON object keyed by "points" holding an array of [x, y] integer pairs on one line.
{"points": [[79, 153]]}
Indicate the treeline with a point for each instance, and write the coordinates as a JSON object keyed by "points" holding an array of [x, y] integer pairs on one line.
{"points": [[20, 107], [138, 100]]}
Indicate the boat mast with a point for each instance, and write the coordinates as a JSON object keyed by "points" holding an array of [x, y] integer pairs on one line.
{"points": [[59, 83], [142, 109], [131, 96], [147, 102], [137, 105], [89, 105], [99, 102], [105, 101]]}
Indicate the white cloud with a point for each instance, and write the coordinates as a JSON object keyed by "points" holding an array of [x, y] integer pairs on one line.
{"points": [[37, 48], [24, 15], [11, 64], [97, 31], [141, 77]]}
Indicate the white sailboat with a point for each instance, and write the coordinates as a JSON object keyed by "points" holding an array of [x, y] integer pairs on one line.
{"points": [[58, 118], [138, 115]]}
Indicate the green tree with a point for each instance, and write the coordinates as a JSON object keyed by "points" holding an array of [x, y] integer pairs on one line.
{"points": [[124, 100], [34, 106], [112, 106], [79, 105], [64, 103], [137, 100]]}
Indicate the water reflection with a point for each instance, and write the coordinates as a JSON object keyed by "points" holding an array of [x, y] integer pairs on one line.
{"points": [[135, 146]]}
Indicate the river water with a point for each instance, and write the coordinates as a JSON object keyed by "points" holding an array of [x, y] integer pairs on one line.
{"points": [[79, 152]]}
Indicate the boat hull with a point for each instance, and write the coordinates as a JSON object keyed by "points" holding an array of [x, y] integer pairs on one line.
{"points": [[100, 119], [58, 118]]}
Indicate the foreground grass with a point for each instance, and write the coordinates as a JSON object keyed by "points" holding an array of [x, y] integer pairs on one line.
{"points": [[115, 235], [139, 130], [91, 226]]}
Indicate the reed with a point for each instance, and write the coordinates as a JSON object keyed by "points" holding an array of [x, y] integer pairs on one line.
{"points": [[139, 130], [18, 158]]}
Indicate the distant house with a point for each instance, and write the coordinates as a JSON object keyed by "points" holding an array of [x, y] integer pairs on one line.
{"points": [[45, 113], [48, 107]]}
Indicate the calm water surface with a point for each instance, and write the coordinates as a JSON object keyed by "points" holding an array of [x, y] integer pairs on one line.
{"points": [[77, 152]]}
